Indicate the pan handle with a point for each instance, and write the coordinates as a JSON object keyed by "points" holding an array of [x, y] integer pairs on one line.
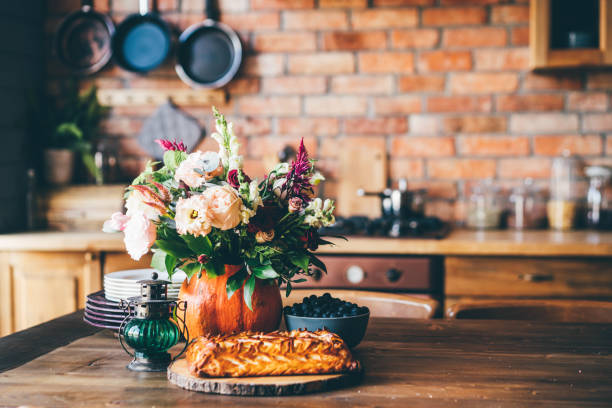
{"points": [[143, 7], [211, 10]]}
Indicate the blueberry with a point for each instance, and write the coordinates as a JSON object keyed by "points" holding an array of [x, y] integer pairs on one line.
{"points": [[287, 309], [313, 297], [326, 295]]}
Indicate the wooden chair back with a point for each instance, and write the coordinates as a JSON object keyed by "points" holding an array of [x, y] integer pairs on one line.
{"points": [[587, 311], [381, 304]]}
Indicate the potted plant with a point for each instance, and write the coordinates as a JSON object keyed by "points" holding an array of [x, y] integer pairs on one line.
{"points": [[237, 239], [69, 126]]}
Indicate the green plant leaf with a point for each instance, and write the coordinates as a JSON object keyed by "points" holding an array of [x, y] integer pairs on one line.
{"points": [[301, 261], [192, 268], [199, 245], [249, 288], [213, 270], [235, 282], [170, 263], [173, 158], [264, 272], [318, 263], [158, 262], [178, 249], [288, 289]]}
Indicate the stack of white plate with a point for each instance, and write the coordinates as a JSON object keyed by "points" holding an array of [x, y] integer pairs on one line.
{"points": [[121, 285]]}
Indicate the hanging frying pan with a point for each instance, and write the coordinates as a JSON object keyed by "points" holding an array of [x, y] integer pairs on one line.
{"points": [[209, 53], [142, 41], [83, 40]]}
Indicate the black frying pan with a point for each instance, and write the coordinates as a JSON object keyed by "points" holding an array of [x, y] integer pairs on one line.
{"points": [[142, 41], [83, 40], [209, 53]]}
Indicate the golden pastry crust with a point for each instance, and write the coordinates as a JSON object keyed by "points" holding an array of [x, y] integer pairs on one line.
{"points": [[251, 354]]}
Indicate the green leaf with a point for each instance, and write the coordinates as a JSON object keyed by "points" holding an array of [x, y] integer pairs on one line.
{"points": [[249, 288], [191, 268], [264, 272], [299, 280], [235, 282], [318, 263], [288, 290], [158, 262], [212, 269], [199, 245], [178, 249], [301, 261], [173, 158], [170, 265]]}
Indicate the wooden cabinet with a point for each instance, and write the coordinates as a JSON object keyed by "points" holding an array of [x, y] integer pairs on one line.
{"points": [[39, 286], [118, 261]]}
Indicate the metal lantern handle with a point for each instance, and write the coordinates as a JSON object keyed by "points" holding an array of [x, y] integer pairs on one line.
{"points": [[125, 306], [185, 331]]}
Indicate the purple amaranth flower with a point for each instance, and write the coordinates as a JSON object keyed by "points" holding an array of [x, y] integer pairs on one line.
{"points": [[168, 145], [298, 179]]}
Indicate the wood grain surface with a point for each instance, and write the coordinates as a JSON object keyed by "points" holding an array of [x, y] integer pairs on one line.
{"points": [[458, 242], [178, 374], [407, 363]]}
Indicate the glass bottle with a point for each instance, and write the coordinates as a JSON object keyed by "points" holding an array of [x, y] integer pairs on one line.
{"points": [[527, 207], [561, 207], [484, 208], [599, 210]]}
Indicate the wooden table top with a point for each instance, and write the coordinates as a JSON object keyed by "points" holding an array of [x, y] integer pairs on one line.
{"points": [[408, 363], [458, 242]]}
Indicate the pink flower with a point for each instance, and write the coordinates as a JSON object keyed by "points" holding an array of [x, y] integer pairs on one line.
{"points": [[193, 216], [140, 235], [295, 204], [168, 145], [224, 206], [190, 170], [116, 223]]}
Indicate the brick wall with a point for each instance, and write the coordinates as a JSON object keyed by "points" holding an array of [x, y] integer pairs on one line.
{"points": [[445, 83]]}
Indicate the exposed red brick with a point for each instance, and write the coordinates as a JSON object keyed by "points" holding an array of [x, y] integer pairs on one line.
{"points": [[475, 37], [241, 86], [359, 84], [262, 146], [248, 126], [425, 124], [322, 63], [502, 60], [405, 168], [378, 126], [115, 125], [532, 102], [494, 145], [510, 14], [281, 4], [119, 6], [609, 144], [597, 122], [274, 42], [470, 2], [269, 105], [442, 60], [587, 101], [354, 40], [459, 104], [541, 82], [555, 145], [384, 18], [294, 85], [263, 65], [315, 20], [343, 3], [415, 38], [380, 62], [142, 82], [537, 168], [421, 83], [335, 105], [475, 124], [399, 3], [435, 189], [132, 166], [520, 35], [255, 168], [419, 146], [253, 20], [396, 105], [453, 169], [599, 80], [543, 123], [225, 6], [472, 83], [454, 16], [315, 126], [129, 146]]}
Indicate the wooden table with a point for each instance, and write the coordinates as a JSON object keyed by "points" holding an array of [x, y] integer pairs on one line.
{"points": [[408, 363]]}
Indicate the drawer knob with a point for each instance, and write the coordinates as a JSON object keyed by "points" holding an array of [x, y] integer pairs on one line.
{"points": [[317, 274], [536, 277], [355, 274], [393, 274]]}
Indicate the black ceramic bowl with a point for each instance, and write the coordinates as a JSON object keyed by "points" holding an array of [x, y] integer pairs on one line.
{"points": [[351, 328]]}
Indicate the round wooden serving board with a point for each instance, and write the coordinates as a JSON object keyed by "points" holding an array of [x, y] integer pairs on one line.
{"points": [[179, 374]]}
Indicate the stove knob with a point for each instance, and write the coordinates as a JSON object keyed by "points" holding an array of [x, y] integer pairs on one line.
{"points": [[317, 274], [393, 274], [355, 274]]}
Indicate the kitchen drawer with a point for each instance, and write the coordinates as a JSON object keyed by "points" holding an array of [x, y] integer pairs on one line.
{"points": [[417, 274], [528, 277], [117, 261]]}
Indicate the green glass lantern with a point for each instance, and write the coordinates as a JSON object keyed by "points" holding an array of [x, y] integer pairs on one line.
{"points": [[148, 327]]}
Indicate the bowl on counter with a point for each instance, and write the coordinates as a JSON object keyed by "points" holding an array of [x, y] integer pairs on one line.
{"points": [[350, 328]]}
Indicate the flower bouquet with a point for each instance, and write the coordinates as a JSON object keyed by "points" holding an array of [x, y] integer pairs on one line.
{"points": [[201, 213]]}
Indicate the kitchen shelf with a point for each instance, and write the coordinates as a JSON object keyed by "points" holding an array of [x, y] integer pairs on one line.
{"points": [[155, 97]]}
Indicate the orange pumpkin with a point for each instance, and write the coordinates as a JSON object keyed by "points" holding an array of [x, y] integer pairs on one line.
{"points": [[209, 311]]}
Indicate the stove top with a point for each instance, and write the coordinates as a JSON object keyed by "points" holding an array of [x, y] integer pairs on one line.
{"points": [[414, 227]]}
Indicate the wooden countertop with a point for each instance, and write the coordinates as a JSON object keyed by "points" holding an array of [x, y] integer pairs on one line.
{"points": [[458, 242], [407, 363]]}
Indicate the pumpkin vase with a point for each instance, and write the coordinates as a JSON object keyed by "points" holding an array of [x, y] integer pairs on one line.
{"points": [[210, 312]]}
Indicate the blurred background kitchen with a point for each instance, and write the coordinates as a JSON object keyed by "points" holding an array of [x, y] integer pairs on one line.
{"points": [[466, 130]]}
